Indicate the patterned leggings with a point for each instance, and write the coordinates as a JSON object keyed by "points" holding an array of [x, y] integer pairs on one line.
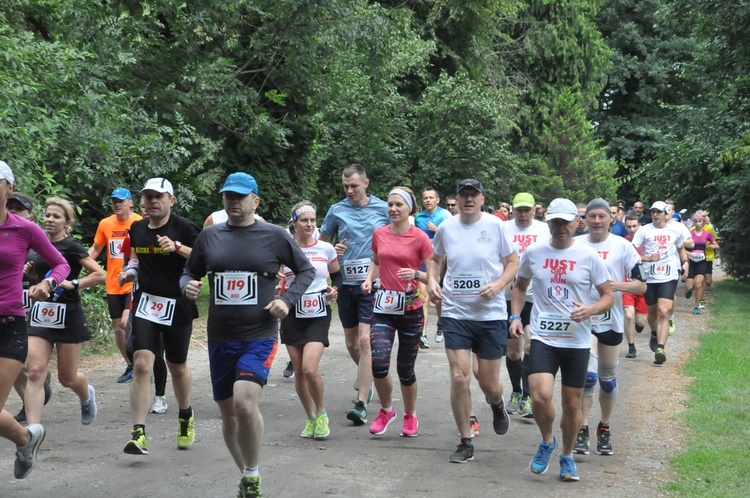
{"points": [[382, 335]]}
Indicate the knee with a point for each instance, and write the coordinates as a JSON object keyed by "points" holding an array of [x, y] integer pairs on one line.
{"points": [[67, 380], [591, 373], [608, 381], [37, 372], [406, 376], [309, 371], [460, 380], [364, 342]]}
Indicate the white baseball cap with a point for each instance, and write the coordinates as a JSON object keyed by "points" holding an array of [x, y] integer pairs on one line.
{"points": [[659, 206], [562, 209], [160, 185], [6, 173]]}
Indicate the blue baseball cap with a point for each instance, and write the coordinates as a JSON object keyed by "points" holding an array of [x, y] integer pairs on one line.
{"points": [[121, 193], [240, 183]]}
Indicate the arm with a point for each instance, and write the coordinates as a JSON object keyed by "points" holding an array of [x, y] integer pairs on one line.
{"points": [[130, 272], [605, 302], [96, 275], [637, 285], [433, 277], [59, 268], [510, 268], [95, 250], [517, 301], [169, 245], [372, 273], [337, 280]]}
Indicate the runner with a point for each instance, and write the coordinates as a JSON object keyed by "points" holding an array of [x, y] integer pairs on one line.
{"points": [[633, 305], [59, 322], [698, 265], [305, 329], [450, 204], [352, 221], [160, 245], [474, 312], [524, 231], [398, 251], [563, 273], [243, 316], [661, 246], [110, 234], [710, 253], [627, 275], [674, 223], [20, 235]]}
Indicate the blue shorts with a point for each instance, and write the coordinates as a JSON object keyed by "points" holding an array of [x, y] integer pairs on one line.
{"points": [[231, 361], [489, 340], [354, 307]]}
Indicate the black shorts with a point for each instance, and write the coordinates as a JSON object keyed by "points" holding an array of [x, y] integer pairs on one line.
{"points": [[299, 331], [76, 329], [149, 335], [609, 338], [661, 290], [488, 339], [354, 307], [709, 267], [695, 269], [13, 341], [117, 303], [525, 315], [572, 363]]}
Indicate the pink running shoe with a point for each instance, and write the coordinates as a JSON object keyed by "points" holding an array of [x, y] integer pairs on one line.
{"points": [[411, 426], [382, 422]]}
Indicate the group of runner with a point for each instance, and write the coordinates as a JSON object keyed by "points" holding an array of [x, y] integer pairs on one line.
{"points": [[532, 290]]}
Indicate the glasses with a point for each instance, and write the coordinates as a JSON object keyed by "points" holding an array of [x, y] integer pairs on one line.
{"points": [[450, 205], [582, 216]]}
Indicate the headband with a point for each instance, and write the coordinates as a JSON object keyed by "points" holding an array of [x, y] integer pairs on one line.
{"points": [[303, 209], [403, 193]]}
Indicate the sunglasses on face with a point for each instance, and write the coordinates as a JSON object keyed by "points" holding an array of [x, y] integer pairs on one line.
{"points": [[451, 205]]}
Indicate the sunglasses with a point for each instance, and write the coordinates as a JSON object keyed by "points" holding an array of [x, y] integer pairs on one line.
{"points": [[451, 205], [582, 216]]}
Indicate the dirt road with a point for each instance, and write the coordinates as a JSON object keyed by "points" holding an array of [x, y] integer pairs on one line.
{"points": [[78, 461]]}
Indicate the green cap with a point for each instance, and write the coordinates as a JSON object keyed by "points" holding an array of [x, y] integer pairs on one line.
{"points": [[523, 199]]}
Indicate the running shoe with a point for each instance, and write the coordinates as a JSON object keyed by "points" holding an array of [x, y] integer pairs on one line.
{"points": [[515, 400], [439, 333], [370, 392], [652, 343], [159, 405], [660, 356], [249, 487], [127, 376], [671, 326], [464, 453], [603, 443], [696, 311], [540, 463], [474, 425], [321, 429], [358, 414], [137, 444], [382, 421], [288, 371], [500, 418], [186, 432], [631, 351], [524, 409], [424, 343], [21, 415], [26, 454], [48, 387], [411, 426], [88, 409], [702, 304], [309, 431], [581, 445], [568, 470], [688, 294]]}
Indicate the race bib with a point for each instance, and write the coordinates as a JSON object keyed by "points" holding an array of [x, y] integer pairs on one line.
{"points": [[555, 326], [697, 257], [232, 288], [355, 270], [115, 249], [467, 284], [26, 301], [48, 315], [312, 305], [390, 302], [660, 269], [157, 309], [603, 319]]}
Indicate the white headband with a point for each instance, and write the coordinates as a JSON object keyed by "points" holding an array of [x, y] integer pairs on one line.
{"points": [[303, 209], [403, 193]]}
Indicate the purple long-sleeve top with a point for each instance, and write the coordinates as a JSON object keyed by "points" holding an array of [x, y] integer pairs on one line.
{"points": [[17, 236]]}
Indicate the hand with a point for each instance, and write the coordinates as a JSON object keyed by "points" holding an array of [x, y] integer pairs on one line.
{"points": [[193, 289], [332, 293], [29, 269], [166, 244], [41, 291], [341, 247], [489, 292], [434, 290], [278, 308], [366, 287], [581, 313], [516, 328], [406, 274], [125, 276], [431, 226]]}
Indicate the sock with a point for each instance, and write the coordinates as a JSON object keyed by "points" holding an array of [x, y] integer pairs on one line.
{"points": [[187, 413], [515, 372], [660, 346], [140, 426], [321, 412], [602, 425], [467, 441], [631, 344], [671, 317], [250, 472], [389, 409], [639, 328], [526, 389]]}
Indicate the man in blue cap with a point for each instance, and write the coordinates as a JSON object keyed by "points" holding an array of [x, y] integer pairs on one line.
{"points": [[243, 257], [110, 234]]}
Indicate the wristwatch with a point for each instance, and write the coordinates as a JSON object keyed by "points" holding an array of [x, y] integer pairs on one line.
{"points": [[52, 284], [75, 283], [177, 246]]}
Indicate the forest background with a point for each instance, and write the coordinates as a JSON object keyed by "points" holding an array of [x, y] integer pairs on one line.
{"points": [[633, 99]]}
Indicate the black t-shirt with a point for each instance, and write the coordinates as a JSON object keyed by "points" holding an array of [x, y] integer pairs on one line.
{"points": [[73, 252], [159, 271]]}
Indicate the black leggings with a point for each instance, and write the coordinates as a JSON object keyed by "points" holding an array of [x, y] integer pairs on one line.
{"points": [[382, 335]]}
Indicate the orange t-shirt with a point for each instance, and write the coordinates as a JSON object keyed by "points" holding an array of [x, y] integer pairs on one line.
{"points": [[110, 234]]}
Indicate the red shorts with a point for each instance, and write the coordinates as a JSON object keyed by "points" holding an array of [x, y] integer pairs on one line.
{"points": [[636, 300]]}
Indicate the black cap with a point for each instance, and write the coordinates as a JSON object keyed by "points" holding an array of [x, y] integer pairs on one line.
{"points": [[470, 183], [23, 199]]}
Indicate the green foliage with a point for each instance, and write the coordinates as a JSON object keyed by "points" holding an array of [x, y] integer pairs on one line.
{"points": [[94, 301]]}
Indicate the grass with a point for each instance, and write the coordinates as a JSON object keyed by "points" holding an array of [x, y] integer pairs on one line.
{"points": [[717, 459]]}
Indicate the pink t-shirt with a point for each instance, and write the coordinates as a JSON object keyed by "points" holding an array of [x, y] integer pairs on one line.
{"points": [[701, 240], [400, 250]]}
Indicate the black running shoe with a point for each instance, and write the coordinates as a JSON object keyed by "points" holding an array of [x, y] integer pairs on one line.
{"points": [[464, 453], [288, 371], [603, 444], [581, 446], [500, 418]]}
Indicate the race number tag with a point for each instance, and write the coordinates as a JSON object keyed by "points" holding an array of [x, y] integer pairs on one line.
{"points": [[26, 301], [115, 249], [697, 257], [603, 319], [659, 269], [234, 288], [312, 305], [157, 309], [467, 284], [355, 270], [555, 326], [388, 302], [48, 315]]}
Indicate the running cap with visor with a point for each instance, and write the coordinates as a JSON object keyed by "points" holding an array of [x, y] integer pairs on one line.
{"points": [[121, 193], [6, 173], [562, 209], [240, 183], [524, 200], [22, 199], [470, 183], [659, 206], [160, 185]]}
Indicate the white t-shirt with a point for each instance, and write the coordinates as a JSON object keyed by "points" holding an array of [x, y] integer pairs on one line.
{"points": [[662, 241], [620, 257], [683, 232], [475, 258], [524, 237], [561, 277], [319, 255]]}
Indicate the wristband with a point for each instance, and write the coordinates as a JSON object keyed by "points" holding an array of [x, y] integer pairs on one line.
{"points": [[416, 274], [514, 317]]}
